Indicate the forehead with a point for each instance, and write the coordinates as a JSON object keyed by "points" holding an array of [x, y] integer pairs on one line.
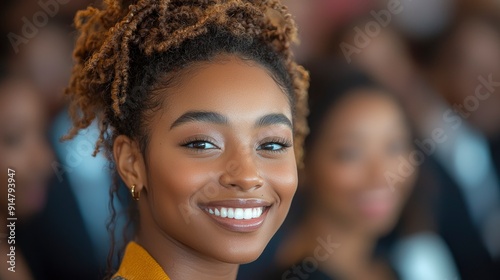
{"points": [[229, 86], [365, 111]]}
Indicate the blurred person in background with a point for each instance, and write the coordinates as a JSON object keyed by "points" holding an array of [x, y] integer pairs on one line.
{"points": [[317, 19], [447, 83], [46, 61], [72, 225], [25, 149], [468, 55], [359, 135], [38, 41], [465, 70]]}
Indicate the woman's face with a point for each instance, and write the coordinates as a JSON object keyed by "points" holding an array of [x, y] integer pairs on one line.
{"points": [[23, 148], [362, 141], [220, 166], [476, 49]]}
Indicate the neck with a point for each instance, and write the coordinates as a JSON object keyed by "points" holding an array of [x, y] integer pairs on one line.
{"points": [[182, 262]]}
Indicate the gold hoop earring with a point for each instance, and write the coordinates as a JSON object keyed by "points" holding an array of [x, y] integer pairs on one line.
{"points": [[135, 195]]}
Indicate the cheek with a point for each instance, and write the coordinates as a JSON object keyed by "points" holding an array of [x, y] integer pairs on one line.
{"points": [[282, 177], [336, 184], [402, 167], [176, 179], [31, 179], [14, 158], [20, 160]]}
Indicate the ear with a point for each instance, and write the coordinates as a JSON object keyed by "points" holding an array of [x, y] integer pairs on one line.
{"points": [[129, 162]]}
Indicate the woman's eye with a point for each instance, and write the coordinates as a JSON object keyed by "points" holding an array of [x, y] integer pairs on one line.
{"points": [[200, 145], [273, 147], [396, 148], [11, 140], [347, 155]]}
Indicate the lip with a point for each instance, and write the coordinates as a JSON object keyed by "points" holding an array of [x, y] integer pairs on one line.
{"points": [[240, 225], [238, 203], [378, 205]]}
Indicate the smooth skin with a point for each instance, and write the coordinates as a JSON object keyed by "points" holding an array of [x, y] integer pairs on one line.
{"points": [[224, 133]]}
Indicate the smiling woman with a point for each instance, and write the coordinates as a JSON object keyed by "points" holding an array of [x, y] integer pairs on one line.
{"points": [[202, 111]]}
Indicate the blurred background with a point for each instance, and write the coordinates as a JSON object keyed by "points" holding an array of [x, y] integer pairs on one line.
{"points": [[427, 69]]}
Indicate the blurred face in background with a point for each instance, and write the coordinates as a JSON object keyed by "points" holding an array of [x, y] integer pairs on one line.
{"points": [[387, 60], [23, 147], [362, 138], [46, 62], [472, 52]]}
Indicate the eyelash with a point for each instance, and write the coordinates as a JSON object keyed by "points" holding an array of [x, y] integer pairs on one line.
{"points": [[283, 142], [187, 143]]}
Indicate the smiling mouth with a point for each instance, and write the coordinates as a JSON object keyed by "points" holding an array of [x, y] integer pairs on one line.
{"points": [[376, 203], [248, 217], [236, 213]]}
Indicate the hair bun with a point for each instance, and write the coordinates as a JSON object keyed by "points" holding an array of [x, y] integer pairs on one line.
{"points": [[114, 36]]}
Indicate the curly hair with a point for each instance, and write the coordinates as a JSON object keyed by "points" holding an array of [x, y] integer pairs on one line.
{"points": [[127, 50]]}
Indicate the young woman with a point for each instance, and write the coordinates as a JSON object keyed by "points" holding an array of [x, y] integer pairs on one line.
{"points": [[200, 104], [358, 141]]}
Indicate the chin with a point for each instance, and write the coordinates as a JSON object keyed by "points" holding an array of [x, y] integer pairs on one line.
{"points": [[241, 254], [381, 227]]}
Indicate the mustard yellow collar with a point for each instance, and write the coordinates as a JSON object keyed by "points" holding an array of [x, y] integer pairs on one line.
{"points": [[137, 264]]}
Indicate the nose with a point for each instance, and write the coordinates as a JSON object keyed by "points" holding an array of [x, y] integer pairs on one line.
{"points": [[378, 170], [241, 172]]}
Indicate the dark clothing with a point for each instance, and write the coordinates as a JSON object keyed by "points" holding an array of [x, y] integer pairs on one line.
{"points": [[55, 243], [306, 270], [455, 226]]}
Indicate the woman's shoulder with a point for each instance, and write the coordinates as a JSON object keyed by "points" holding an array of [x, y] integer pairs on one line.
{"points": [[137, 263]]}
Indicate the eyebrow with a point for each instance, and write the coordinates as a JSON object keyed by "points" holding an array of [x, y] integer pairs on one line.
{"points": [[273, 119], [217, 118], [200, 116]]}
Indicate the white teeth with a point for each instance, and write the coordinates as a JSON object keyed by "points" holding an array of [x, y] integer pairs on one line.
{"points": [[259, 211], [247, 215], [223, 212], [236, 213]]}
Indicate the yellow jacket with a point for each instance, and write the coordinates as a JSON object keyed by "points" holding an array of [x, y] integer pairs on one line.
{"points": [[137, 264]]}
